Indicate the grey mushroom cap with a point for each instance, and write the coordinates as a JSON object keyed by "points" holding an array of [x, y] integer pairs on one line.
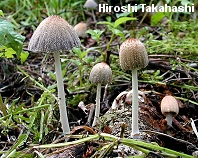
{"points": [[52, 35], [90, 4], [133, 54], [101, 73]]}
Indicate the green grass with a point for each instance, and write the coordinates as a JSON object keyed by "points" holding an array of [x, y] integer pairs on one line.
{"points": [[29, 13]]}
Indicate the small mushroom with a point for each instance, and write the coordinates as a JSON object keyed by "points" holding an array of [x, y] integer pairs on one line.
{"points": [[169, 108], [55, 35], [133, 56], [100, 74], [92, 5], [81, 29]]}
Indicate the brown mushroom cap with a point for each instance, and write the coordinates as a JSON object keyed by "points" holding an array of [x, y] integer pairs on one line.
{"points": [[53, 34], [81, 29], [101, 73], [169, 105], [132, 54], [90, 4]]}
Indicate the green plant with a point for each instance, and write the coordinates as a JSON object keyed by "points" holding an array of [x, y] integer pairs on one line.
{"points": [[2, 106], [113, 27], [11, 42], [111, 141], [80, 62], [158, 16], [152, 75], [173, 44], [29, 13], [70, 10], [96, 35]]}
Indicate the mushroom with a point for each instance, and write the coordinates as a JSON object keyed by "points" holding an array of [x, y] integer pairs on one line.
{"points": [[55, 35], [100, 74], [81, 29], [132, 56], [92, 5], [169, 108]]}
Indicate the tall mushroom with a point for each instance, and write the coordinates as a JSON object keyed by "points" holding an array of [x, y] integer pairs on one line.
{"points": [[92, 5], [100, 74], [55, 35], [133, 56], [169, 108]]}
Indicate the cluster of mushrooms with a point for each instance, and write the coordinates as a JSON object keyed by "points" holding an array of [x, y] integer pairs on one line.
{"points": [[55, 35]]}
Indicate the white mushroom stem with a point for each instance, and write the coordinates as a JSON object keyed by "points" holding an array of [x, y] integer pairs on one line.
{"points": [[135, 128], [94, 17], [97, 109], [169, 118], [61, 94]]}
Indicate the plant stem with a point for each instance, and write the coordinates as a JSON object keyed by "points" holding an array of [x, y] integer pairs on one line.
{"points": [[61, 94], [2, 106], [109, 43], [145, 14], [150, 146], [135, 129], [97, 110], [76, 142], [80, 73], [108, 47]]}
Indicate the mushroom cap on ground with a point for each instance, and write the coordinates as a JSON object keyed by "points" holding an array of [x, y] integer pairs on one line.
{"points": [[52, 35], [169, 105], [132, 54], [101, 73], [81, 29], [90, 4]]}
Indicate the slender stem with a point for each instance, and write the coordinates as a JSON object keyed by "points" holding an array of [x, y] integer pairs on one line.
{"points": [[2, 106], [97, 110], [135, 128], [145, 14], [109, 43], [94, 18], [61, 94], [80, 73]]}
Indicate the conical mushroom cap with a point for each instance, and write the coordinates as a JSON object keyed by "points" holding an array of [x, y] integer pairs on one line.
{"points": [[132, 54], [90, 4], [101, 73], [52, 35]]}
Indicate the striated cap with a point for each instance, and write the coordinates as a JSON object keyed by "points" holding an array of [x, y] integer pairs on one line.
{"points": [[90, 4], [132, 54], [81, 29], [52, 35], [101, 73], [169, 105]]}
